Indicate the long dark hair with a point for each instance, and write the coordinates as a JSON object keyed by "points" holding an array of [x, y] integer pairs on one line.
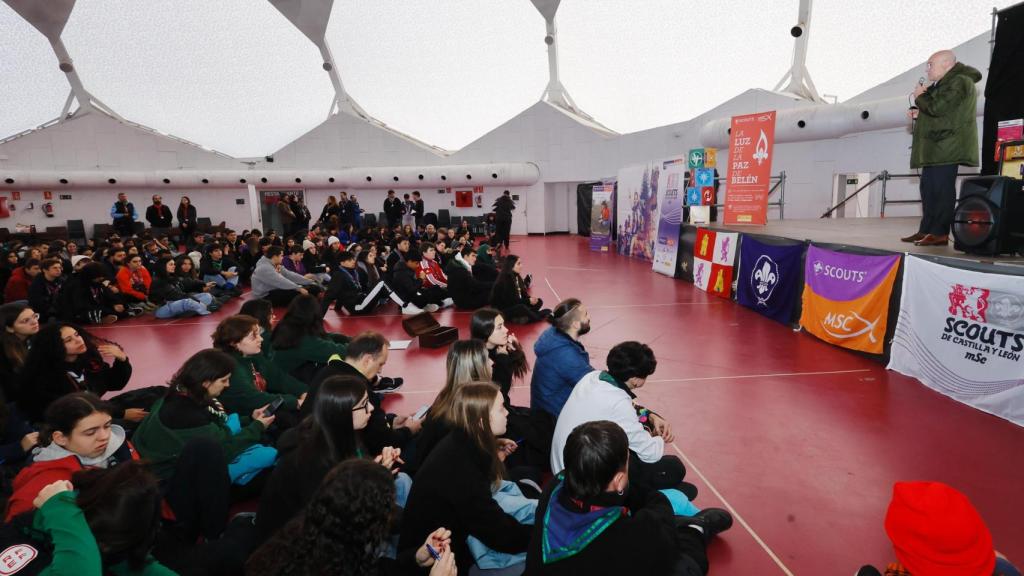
{"points": [[329, 433], [160, 269], [14, 349], [302, 319], [260, 309], [203, 366], [121, 504], [341, 530], [481, 326], [508, 281], [48, 350], [193, 272]]}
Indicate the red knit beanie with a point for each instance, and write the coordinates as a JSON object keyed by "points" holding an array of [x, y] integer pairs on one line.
{"points": [[935, 531]]}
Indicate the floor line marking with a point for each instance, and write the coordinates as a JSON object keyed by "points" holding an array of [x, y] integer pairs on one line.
{"points": [[610, 306], [548, 282], [763, 375], [736, 515], [576, 269]]}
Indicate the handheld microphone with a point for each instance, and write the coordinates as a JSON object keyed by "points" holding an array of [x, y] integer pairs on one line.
{"points": [[921, 81]]}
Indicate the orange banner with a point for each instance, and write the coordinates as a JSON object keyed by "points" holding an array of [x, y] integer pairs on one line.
{"points": [[858, 324], [750, 168]]}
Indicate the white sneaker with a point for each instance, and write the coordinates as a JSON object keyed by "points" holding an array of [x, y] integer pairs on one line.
{"points": [[431, 307], [447, 303], [411, 309]]}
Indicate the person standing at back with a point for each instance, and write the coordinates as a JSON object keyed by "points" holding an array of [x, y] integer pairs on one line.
{"points": [[503, 208], [124, 215], [393, 209], [945, 137], [159, 216], [418, 208]]}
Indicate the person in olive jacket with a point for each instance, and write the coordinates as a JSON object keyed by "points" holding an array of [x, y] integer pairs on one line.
{"points": [[255, 381], [945, 137]]}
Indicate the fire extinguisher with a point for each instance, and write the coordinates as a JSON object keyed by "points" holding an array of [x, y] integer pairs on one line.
{"points": [[48, 209]]}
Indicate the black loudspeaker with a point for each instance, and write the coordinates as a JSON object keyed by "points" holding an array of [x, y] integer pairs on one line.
{"points": [[989, 218]]}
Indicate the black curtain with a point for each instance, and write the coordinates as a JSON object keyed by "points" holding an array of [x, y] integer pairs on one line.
{"points": [[1003, 97], [584, 204]]}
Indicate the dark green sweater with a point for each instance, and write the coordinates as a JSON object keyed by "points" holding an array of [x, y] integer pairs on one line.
{"points": [[243, 397], [161, 445], [310, 349]]}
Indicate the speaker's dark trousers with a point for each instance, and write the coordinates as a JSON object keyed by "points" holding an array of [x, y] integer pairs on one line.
{"points": [[938, 198]]}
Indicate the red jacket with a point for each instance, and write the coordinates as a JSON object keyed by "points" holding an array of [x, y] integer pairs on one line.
{"points": [[433, 275], [17, 285], [34, 478], [124, 282]]}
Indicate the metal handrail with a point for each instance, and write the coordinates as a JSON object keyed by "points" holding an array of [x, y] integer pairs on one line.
{"points": [[851, 196], [884, 176], [780, 185]]}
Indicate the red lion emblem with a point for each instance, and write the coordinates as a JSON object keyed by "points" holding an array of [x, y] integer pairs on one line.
{"points": [[969, 302]]}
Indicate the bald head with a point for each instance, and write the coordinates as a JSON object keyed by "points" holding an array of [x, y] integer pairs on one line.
{"points": [[940, 63]]}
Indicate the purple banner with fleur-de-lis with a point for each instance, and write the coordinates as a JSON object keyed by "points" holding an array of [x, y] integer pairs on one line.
{"points": [[769, 278]]}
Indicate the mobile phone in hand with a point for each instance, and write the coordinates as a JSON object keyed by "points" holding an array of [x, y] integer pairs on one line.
{"points": [[421, 412], [269, 410]]}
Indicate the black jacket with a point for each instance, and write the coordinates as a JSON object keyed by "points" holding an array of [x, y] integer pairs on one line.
{"points": [[643, 542], [467, 292], [378, 432], [504, 295], [164, 289], [53, 382], [405, 283], [43, 296], [293, 482], [187, 217], [452, 490], [159, 216], [393, 209], [503, 208]]}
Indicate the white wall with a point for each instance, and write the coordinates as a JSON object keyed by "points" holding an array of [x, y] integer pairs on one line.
{"points": [[92, 206], [565, 150]]}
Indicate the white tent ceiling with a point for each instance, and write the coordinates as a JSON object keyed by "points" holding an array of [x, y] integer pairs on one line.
{"points": [[237, 76]]}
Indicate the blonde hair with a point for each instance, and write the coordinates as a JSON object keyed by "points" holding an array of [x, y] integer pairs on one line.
{"points": [[467, 362]]}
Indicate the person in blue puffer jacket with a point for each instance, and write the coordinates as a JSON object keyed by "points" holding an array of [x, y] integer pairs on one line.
{"points": [[561, 358]]}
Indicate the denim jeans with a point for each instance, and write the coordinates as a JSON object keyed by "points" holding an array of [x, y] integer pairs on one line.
{"points": [[179, 307]]}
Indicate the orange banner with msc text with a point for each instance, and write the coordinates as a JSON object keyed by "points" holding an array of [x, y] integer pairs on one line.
{"points": [[750, 168]]}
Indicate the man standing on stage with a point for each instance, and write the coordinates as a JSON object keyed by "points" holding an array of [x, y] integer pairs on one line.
{"points": [[124, 215], [945, 137]]}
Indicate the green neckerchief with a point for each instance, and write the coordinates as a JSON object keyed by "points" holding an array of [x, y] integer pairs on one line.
{"points": [[549, 555]]}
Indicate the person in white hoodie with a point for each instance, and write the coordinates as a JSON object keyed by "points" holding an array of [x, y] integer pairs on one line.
{"points": [[608, 395], [276, 283]]}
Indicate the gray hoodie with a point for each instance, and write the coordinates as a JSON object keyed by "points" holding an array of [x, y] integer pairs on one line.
{"points": [[55, 452], [266, 277]]}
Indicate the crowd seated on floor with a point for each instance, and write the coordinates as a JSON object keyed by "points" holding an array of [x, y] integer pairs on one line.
{"points": [[270, 451]]}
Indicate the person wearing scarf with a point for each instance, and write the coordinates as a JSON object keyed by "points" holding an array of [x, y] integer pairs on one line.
{"points": [[592, 521]]}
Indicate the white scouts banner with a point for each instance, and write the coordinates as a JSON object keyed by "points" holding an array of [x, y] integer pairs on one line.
{"points": [[961, 333]]}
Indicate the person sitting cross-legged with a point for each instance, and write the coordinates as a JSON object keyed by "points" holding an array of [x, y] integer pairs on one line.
{"points": [[609, 395], [347, 291], [271, 280], [592, 520], [408, 288]]}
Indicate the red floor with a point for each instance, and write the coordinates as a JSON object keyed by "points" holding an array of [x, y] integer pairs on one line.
{"points": [[801, 439]]}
